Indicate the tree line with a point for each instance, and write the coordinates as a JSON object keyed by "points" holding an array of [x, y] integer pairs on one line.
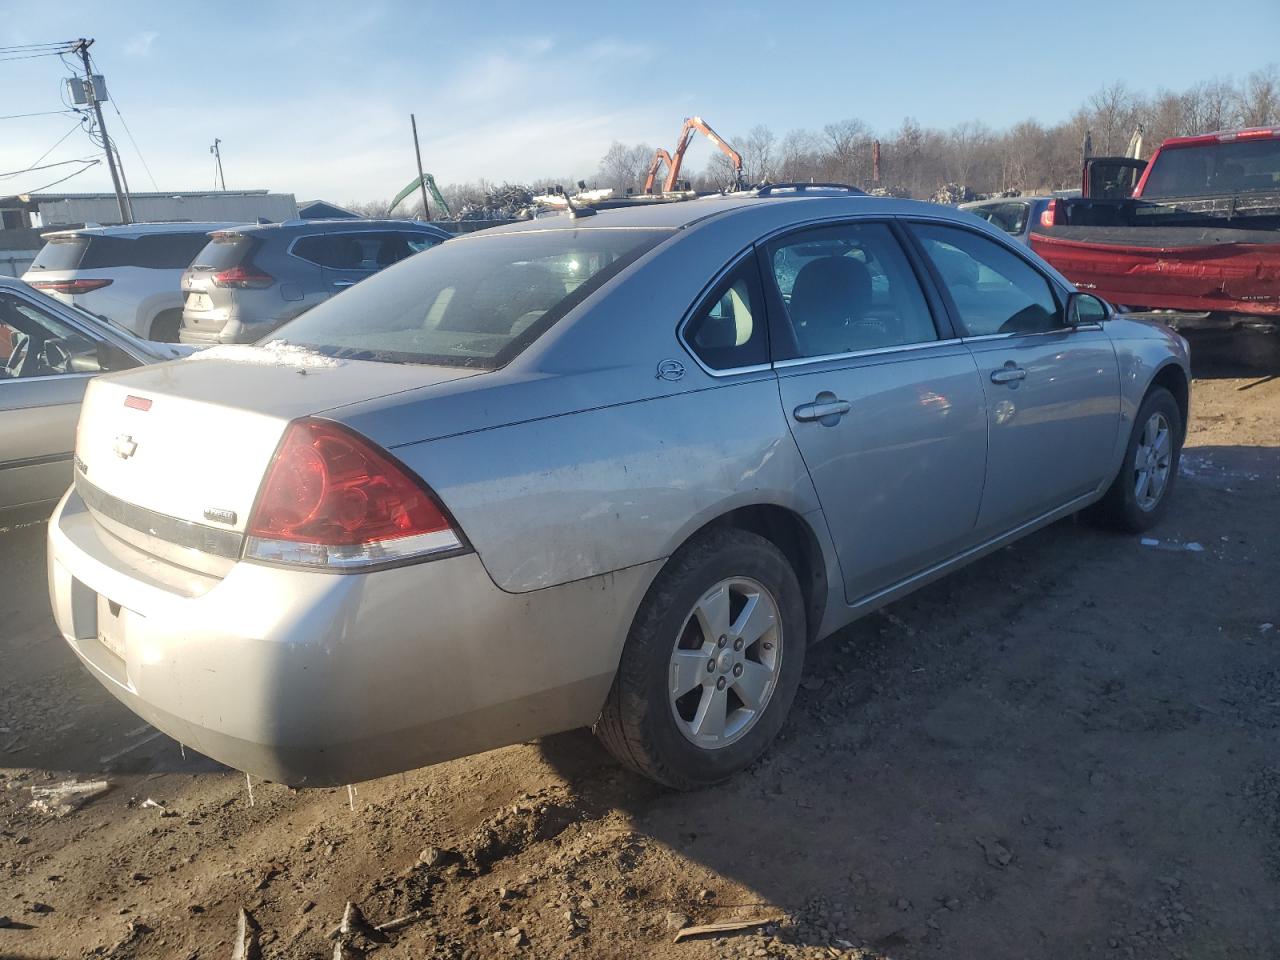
{"points": [[970, 158]]}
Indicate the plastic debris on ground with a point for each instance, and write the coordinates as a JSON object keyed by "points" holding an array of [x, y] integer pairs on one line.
{"points": [[63, 798], [1173, 545]]}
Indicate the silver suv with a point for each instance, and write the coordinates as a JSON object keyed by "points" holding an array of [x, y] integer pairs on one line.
{"points": [[249, 280]]}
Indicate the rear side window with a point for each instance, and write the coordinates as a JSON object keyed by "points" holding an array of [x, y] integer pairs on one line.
{"points": [[367, 250], [728, 329], [1009, 217], [160, 251], [994, 290], [846, 289], [222, 251], [476, 301]]}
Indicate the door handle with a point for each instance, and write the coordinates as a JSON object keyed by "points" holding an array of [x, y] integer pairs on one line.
{"points": [[344, 283], [1008, 375], [822, 410]]}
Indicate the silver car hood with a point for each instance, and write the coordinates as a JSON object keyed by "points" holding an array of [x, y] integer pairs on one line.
{"points": [[196, 435]]}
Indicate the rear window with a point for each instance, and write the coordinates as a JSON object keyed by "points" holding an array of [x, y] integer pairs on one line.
{"points": [[160, 251], [475, 302], [61, 253], [1241, 166], [222, 251]]}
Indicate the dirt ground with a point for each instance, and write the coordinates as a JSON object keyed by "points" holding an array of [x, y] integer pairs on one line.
{"points": [[1067, 750]]}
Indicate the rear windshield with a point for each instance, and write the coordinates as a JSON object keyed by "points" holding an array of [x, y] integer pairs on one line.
{"points": [[222, 252], [158, 251], [1241, 166], [61, 253], [474, 302]]}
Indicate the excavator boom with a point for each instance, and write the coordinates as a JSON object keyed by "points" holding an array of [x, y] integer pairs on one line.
{"points": [[675, 160]]}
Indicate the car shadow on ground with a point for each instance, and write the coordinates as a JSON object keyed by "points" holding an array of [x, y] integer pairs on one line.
{"points": [[1021, 757]]}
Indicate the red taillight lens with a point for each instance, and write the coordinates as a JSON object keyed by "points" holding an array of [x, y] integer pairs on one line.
{"points": [[1049, 215], [69, 286], [333, 499], [243, 278]]}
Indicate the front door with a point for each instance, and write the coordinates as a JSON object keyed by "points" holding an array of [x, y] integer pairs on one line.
{"points": [[887, 414], [1053, 391]]}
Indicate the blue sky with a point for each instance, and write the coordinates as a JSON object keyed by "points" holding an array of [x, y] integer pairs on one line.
{"points": [[314, 98]]}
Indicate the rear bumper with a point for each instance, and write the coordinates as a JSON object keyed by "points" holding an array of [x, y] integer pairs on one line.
{"points": [[233, 331], [311, 679]]}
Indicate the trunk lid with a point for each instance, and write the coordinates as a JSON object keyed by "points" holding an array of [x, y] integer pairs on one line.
{"points": [[190, 441]]}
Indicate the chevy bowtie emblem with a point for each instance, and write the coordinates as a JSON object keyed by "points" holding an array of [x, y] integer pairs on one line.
{"points": [[125, 446]]}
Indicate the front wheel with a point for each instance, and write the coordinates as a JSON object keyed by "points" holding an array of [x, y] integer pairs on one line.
{"points": [[711, 664], [1139, 496]]}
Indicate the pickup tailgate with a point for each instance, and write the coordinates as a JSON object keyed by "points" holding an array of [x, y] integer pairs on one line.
{"points": [[1174, 268], [190, 441]]}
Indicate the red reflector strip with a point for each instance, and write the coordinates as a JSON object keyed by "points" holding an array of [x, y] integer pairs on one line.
{"points": [[137, 403]]}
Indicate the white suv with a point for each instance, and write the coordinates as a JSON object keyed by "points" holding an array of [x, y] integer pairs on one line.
{"points": [[130, 274]]}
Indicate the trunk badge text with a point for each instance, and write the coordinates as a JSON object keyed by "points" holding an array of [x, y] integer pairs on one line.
{"points": [[80, 464], [220, 516], [125, 446]]}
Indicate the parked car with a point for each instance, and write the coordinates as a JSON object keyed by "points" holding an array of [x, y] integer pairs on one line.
{"points": [[617, 470], [128, 274], [49, 353], [249, 280], [1200, 233], [1013, 215]]}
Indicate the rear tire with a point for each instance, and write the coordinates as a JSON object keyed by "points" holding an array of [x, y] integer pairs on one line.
{"points": [[1139, 496], [711, 664], [164, 329]]}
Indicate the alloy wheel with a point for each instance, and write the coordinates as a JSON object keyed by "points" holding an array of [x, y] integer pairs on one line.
{"points": [[725, 664]]}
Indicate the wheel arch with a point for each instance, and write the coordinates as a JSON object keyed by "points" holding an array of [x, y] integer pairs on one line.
{"points": [[792, 534], [1173, 378]]}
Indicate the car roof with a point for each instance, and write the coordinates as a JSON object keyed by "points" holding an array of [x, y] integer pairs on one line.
{"points": [[344, 225], [134, 230], [992, 201], [682, 213]]}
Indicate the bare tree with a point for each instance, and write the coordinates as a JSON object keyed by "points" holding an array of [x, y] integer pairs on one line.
{"points": [[1259, 100], [848, 149], [757, 152], [625, 166]]}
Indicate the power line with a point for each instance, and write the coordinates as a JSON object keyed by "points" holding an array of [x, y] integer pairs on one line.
{"points": [[34, 46], [39, 113], [30, 56], [46, 186], [54, 147], [115, 104], [48, 166]]}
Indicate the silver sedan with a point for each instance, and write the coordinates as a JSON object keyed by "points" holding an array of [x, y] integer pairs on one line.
{"points": [[615, 470], [49, 351]]}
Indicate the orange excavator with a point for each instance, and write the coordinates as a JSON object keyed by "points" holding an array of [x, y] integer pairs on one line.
{"points": [[673, 161]]}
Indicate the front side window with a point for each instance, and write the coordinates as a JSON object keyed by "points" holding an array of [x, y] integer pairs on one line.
{"points": [[994, 290], [728, 329], [472, 302], [35, 343], [848, 288]]}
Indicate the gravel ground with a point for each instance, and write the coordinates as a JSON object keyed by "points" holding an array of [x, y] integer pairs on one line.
{"points": [[1066, 750]]}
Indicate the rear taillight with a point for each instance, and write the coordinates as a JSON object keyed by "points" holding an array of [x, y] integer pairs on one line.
{"points": [[333, 500], [1049, 215], [243, 278], [69, 286]]}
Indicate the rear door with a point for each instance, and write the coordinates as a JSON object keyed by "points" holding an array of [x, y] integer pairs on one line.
{"points": [[884, 402], [1052, 391], [348, 258]]}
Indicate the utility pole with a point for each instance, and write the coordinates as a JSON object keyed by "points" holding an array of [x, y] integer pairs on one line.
{"points": [[91, 94], [422, 180], [217, 155]]}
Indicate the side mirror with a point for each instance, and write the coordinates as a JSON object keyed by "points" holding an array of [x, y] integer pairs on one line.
{"points": [[1084, 309]]}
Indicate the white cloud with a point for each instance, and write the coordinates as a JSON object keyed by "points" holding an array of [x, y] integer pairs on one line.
{"points": [[139, 45]]}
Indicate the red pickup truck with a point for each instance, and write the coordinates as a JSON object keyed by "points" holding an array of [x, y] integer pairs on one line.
{"points": [[1200, 233]]}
